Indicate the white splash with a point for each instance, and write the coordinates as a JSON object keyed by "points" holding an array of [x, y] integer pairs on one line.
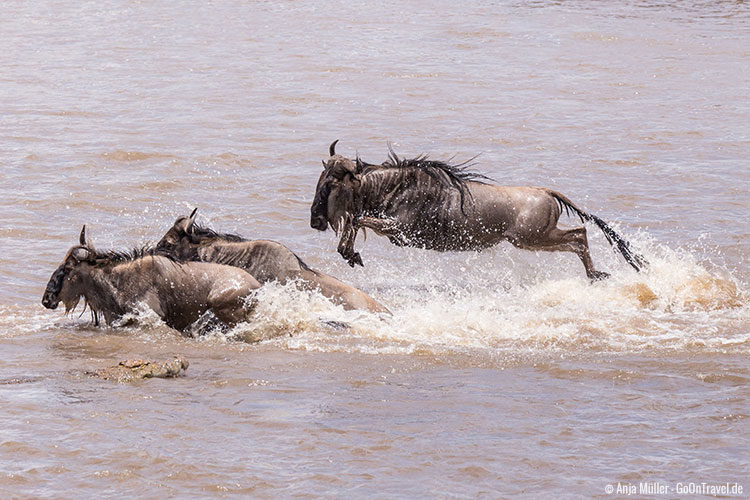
{"points": [[501, 301]]}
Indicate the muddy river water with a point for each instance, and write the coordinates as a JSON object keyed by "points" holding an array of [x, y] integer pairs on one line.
{"points": [[500, 373]]}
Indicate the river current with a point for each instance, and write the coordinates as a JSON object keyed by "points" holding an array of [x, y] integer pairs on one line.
{"points": [[501, 373]]}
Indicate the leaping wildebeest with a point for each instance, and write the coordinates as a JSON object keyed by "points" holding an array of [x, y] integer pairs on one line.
{"points": [[266, 260], [442, 206], [113, 284]]}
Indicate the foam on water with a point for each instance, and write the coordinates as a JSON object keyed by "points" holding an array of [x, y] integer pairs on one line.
{"points": [[499, 301], [677, 304]]}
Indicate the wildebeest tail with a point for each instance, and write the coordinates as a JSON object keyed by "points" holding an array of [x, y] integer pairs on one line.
{"points": [[303, 265], [634, 259]]}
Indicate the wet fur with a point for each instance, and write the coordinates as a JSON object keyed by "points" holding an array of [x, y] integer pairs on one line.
{"points": [[442, 206], [265, 260], [113, 283]]}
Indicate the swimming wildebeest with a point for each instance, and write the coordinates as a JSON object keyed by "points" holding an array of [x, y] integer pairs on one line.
{"points": [[441, 206], [265, 260], [115, 283]]}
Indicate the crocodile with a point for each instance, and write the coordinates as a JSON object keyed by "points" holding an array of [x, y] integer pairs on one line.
{"points": [[137, 369]]}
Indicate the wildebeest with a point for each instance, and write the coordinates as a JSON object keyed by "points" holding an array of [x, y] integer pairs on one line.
{"points": [[265, 260], [442, 206], [115, 283]]}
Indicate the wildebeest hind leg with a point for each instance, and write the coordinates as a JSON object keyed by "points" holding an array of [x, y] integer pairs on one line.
{"points": [[566, 240], [339, 292]]}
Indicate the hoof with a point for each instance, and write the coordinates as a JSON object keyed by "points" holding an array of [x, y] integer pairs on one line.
{"points": [[336, 325], [355, 259], [598, 276]]}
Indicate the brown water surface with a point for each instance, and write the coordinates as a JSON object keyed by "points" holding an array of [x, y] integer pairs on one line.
{"points": [[499, 374]]}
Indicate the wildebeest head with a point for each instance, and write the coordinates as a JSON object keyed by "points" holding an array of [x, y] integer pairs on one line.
{"points": [[180, 237], [66, 283], [336, 193]]}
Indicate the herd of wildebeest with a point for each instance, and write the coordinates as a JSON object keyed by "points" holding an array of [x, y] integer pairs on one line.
{"points": [[415, 202]]}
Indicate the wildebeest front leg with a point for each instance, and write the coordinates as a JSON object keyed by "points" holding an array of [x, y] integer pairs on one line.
{"points": [[232, 306], [346, 245], [384, 227]]}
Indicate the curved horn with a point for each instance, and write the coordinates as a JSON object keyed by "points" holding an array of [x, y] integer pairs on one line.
{"points": [[332, 148], [360, 165], [191, 220], [84, 240]]}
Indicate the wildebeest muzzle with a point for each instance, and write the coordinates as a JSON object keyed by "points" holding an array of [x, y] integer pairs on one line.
{"points": [[51, 297], [319, 209], [318, 222]]}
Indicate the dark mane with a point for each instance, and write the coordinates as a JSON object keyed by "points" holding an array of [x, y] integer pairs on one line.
{"points": [[454, 175], [203, 232], [118, 257], [206, 232]]}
